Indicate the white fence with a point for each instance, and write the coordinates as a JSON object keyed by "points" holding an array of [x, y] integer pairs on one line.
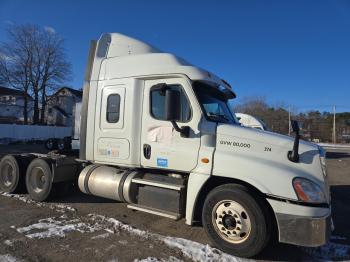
{"points": [[31, 132]]}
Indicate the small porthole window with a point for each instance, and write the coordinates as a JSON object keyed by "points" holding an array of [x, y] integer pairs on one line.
{"points": [[113, 108]]}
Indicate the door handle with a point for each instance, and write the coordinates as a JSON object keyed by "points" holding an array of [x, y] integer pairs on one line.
{"points": [[147, 151]]}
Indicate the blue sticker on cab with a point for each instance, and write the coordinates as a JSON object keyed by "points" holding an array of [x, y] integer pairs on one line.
{"points": [[162, 162]]}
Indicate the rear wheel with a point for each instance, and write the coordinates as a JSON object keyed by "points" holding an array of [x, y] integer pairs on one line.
{"points": [[11, 177], [235, 221], [39, 180]]}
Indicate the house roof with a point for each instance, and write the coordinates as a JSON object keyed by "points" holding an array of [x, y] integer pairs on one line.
{"points": [[75, 92], [11, 91]]}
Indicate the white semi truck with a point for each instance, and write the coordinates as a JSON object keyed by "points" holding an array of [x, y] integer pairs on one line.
{"points": [[158, 134], [251, 121]]}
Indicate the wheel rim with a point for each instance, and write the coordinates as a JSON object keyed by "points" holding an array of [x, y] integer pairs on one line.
{"points": [[8, 174], [38, 179], [231, 221]]}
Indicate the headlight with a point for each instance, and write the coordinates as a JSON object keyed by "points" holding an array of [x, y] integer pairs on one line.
{"points": [[308, 191], [322, 153]]}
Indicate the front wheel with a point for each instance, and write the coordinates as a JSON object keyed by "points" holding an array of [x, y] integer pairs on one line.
{"points": [[235, 221]]}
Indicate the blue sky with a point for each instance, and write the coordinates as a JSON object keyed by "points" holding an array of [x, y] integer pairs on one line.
{"points": [[295, 52]]}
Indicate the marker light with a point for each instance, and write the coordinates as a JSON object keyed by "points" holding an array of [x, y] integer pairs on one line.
{"points": [[322, 153]]}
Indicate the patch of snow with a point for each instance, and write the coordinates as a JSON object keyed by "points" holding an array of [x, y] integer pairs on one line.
{"points": [[65, 207], [64, 247], [105, 235], [191, 249], [52, 227], [8, 258], [153, 259], [330, 251], [109, 230], [123, 242], [199, 252], [62, 208], [113, 260], [149, 259], [8, 243], [110, 247], [117, 225]]}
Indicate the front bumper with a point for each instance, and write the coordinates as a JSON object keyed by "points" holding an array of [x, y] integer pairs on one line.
{"points": [[303, 231]]}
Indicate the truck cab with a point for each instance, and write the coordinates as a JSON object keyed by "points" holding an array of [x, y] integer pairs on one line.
{"points": [[251, 121], [159, 134]]}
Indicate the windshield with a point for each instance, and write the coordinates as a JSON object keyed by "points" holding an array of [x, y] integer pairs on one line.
{"points": [[214, 103]]}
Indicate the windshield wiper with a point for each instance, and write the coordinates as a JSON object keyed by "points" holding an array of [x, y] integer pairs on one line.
{"points": [[218, 117]]}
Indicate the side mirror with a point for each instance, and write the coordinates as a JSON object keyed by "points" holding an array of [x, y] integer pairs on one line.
{"points": [[172, 105], [295, 126], [294, 154], [173, 111]]}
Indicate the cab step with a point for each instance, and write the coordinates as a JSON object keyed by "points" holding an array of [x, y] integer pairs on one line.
{"points": [[160, 184], [155, 211]]}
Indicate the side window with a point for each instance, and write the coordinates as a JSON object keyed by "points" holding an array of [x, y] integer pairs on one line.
{"points": [[113, 108], [158, 104]]}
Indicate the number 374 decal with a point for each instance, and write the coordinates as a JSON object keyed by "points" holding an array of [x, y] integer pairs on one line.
{"points": [[268, 149]]}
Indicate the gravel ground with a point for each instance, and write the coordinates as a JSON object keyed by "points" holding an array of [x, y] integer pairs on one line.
{"points": [[79, 227]]}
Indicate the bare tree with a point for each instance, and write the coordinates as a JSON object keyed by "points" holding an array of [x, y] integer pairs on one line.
{"points": [[276, 117], [44, 65], [15, 63], [314, 124]]}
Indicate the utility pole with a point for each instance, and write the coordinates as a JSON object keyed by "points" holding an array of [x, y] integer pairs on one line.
{"points": [[334, 134], [289, 127]]}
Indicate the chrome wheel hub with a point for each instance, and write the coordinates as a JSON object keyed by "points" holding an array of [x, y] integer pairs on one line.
{"points": [[38, 179], [231, 221]]}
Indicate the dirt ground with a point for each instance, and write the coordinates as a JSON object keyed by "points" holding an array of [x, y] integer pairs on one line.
{"points": [[79, 227]]}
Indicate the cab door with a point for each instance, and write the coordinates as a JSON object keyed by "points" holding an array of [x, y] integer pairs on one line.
{"points": [[111, 139], [162, 146]]}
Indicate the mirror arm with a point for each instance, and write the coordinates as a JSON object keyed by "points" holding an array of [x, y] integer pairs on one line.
{"points": [[184, 131], [294, 154]]}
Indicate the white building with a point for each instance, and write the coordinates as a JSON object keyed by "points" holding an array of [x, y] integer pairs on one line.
{"points": [[12, 106], [61, 106]]}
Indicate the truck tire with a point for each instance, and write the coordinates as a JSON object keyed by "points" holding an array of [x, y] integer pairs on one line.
{"points": [[236, 221], [11, 175], [39, 180]]}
